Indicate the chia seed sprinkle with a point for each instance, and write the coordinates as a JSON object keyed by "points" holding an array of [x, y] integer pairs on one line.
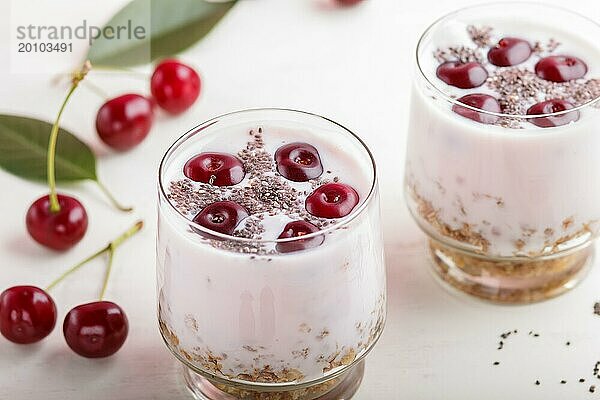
{"points": [[481, 36], [519, 89], [459, 53]]}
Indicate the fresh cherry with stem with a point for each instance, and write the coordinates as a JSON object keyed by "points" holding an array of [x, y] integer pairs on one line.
{"points": [[98, 329], [60, 221]]}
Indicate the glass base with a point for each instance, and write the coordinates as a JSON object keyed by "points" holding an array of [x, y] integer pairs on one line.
{"points": [[511, 281], [339, 388]]}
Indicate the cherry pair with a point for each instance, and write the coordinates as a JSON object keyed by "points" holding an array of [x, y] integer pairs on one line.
{"points": [[97, 329], [93, 330], [124, 121]]}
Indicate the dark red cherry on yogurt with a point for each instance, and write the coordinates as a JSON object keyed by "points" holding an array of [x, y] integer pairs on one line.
{"points": [[298, 162], [332, 200], [217, 169], [560, 68], [510, 51], [298, 229], [96, 329], [550, 107], [467, 75], [221, 216], [481, 101], [27, 314]]}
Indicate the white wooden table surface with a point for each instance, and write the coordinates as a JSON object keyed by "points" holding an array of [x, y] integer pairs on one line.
{"points": [[354, 66]]}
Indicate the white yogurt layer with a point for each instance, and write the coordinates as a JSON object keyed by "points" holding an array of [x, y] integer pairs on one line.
{"points": [[527, 191], [273, 317]]}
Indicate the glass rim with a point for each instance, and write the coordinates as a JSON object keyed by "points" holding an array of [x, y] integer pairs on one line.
{"points": [[340, 223], [455, 101]]}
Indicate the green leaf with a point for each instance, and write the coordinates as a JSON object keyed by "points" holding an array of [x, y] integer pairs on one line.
{"points": [[173, 27], [24, 146]]}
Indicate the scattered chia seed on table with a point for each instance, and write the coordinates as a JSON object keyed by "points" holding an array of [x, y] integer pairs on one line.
{"points": [[505, 335], [597, 308]]}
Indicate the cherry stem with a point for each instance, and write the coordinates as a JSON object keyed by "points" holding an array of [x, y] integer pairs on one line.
{"points": [[110, 248], [96, 89], [74, 268], [77, 77], [111, 253], [133, 73], [112, 198]]}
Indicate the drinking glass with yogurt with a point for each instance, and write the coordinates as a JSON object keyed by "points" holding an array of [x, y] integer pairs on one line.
{"points": [[271, 279], [503, 164]]}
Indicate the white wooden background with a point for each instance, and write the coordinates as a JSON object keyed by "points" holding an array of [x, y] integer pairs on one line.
{"points": [[354, 66]]}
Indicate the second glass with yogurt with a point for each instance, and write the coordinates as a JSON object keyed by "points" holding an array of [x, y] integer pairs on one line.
{"points": [[502, 157]]}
